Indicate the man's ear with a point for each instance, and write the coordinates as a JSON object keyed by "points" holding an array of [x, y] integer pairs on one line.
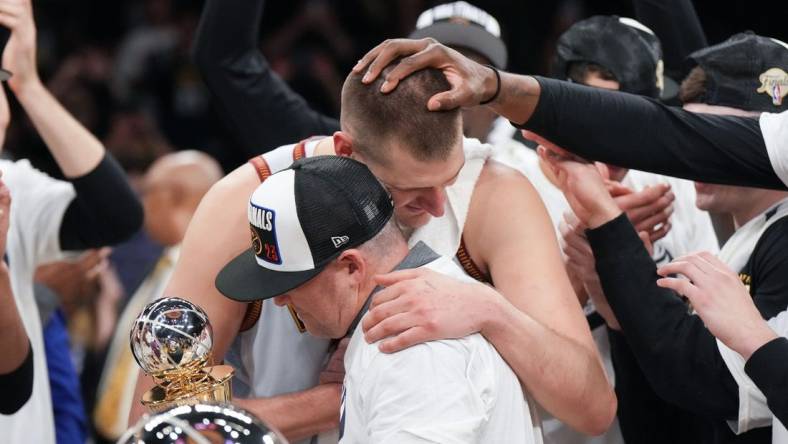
{"points": [[343, 144], [353, 263]]}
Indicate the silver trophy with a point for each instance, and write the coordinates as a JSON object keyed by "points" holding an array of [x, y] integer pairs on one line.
{"points": [[172, 341]]}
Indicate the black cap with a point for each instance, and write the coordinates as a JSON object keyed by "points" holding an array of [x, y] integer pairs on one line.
{"points": [[301, 219], [746, 71], [624, 46], [463, 25]]}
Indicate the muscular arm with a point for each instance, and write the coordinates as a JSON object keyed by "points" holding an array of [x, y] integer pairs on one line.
{"points": [[259, 107], [215, 236], [558, 364]]}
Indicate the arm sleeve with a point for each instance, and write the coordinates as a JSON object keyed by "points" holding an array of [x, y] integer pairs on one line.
{"points": [[419, 395], [768, 368], [259, 107], [105, 210], [17, 386], [677, 354], [636, 132], [676, 24]]}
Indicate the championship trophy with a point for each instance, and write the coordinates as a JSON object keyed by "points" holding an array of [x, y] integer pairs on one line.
{"points": [[172, 341]]}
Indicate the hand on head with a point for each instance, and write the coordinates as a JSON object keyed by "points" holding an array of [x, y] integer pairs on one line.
{"points": [[471, 83], [721, 300], [20, 53]]}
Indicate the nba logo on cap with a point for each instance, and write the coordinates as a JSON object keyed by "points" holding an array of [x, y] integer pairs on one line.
{"points": [[262, 222]]}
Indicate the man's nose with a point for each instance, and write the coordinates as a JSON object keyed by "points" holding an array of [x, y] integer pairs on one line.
{"points": [[281, 300], [435, 201]]}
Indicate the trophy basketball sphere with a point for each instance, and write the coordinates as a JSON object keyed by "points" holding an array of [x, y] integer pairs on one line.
{"points": [[172, 341]]}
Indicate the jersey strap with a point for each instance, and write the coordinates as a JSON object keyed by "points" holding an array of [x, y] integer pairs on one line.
{"points": [[469, 265]]}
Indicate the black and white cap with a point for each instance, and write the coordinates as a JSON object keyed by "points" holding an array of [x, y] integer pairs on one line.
{"points": [[461, 24], [301, 219]]}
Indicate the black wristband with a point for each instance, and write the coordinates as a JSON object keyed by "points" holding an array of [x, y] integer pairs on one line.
{"points": [[497, 85]]}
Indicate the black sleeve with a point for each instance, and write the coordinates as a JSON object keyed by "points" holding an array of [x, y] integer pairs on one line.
{"points": [[676, 24], [17, 386], [635, 132], [105, 211], [259, 107], [768, 368], [677, 354], [768, 266]]}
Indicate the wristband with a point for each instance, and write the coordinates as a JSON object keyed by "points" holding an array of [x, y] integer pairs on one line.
{"points": [[497, 85]]}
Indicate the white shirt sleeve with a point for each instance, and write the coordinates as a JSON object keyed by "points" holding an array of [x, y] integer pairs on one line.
{"points": [[38, 205], [774, 128], [421, 395]]}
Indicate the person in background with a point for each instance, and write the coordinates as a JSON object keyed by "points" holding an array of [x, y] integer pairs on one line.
{"points": [[171, 190], [677, 354], [619, 54], [93, 207]]}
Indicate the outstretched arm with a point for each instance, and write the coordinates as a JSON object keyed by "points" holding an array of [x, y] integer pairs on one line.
{"points": [[259, 107], [612, 127]]}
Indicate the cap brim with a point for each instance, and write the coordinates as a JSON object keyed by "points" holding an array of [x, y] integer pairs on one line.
{"points": [[468, 36], [243, 279]]}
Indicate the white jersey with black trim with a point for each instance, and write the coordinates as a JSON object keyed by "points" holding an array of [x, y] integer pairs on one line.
{"points": [[272, 358], [448, 391]]}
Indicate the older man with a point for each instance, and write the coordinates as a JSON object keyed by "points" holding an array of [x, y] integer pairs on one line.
{"points": [[317, 246]]}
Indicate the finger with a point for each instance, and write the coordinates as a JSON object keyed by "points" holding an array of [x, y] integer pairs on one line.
{"points": [[410, 64], [661, 232], [698, 261], [391, 326], [604, 171], [644, 237], [10, 22], [408, 338], [617, 189], [686, 268], [650, 223], [389, 279], [682, 287], [388, 305], [388, 52], [643, 197], [638, 214], [447, 100]]}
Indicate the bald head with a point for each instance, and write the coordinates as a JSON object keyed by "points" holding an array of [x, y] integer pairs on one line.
{"points": [[173, 187]]}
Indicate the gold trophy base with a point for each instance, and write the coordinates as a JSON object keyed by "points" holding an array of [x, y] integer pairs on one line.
{"points": [[217, 389]]}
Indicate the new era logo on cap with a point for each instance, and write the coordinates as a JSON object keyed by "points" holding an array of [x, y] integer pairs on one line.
{"points": [[339, 240], [295, 216]]}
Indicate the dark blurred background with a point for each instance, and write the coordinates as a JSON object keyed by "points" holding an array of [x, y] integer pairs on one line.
{"points": [[123, 68]]}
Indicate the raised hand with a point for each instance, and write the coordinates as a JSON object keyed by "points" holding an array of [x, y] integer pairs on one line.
{"points": [[649, 209], [471, 83], [721, 300], [20, 52]]}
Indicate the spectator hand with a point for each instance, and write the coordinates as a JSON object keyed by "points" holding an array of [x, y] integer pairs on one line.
{"points": [[649, 209], [20, 52], [721, 300], [583, 187], [335, 369], [471, 83], [421, 305]]}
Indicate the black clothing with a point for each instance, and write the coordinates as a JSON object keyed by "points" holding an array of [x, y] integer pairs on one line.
{"points": [[768, 368], [105, 210], [676, 24], [259, 107], [677, 354], [635, 132], [17, 386]]}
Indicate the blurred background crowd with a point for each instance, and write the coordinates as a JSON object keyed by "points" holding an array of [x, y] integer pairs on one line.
{"points": [[124, 69]]}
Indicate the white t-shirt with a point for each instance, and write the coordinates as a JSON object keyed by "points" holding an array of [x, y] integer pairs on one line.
{"points": [[449, 391], [37, 207], [775, 135], [691, 231]]}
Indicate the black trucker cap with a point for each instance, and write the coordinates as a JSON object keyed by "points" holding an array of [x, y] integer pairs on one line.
{"points": [[301, 219], [747, 71], [623, 45], [461, 24]]}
